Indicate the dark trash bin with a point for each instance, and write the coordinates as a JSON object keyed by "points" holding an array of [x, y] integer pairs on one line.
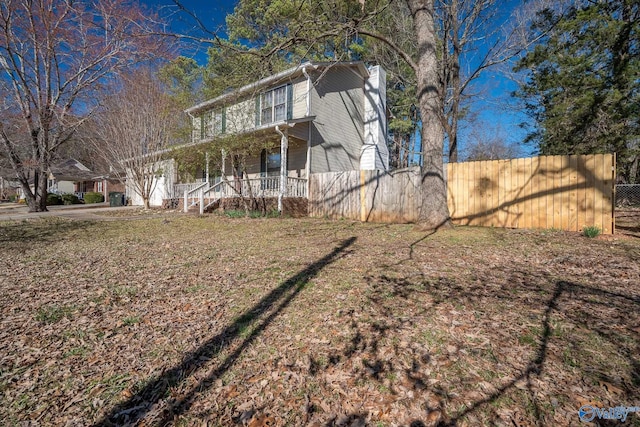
{"points": [[116, 198]]}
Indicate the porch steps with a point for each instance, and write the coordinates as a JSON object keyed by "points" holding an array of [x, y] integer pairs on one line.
{"points": [[194, 207]]}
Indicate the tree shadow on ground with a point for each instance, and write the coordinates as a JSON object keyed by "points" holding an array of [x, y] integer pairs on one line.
{"points": [[40, 230], [628, 222], [136, 409], [594, 315]]}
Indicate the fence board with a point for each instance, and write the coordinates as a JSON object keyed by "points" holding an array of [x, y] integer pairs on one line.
{"points": [[466, 190], [540, 189], [522, 194], [589, 199], [572, 200], [556, 175]]}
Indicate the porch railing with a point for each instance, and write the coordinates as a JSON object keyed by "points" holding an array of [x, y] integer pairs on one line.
{"points": [[179, 189], [268, 186], [78, 194]]}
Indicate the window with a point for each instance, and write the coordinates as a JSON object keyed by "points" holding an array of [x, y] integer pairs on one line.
{"points": [[213, 123], [219, 122], [280, 104], [273, 163], [266, 105], [274, 105], [99, 188], [269, 168]]}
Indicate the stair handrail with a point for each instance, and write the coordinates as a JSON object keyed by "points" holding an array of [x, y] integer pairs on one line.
{"points": [[207, 191], [193, 190]]}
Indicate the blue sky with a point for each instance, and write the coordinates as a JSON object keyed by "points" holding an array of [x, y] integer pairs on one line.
{"points": [[494, 115]]}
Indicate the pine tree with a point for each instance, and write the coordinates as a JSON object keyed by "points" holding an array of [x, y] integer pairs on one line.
{"points": [[583, 83]]}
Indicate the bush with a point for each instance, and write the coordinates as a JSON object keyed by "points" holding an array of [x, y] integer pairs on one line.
{"points": [[591, 231], [53, 199], [70, 199], [235, 213], [13, 198], [93, 197]]}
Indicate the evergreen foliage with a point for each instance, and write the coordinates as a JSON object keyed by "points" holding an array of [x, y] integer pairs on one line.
{"points": [[583, 85]]}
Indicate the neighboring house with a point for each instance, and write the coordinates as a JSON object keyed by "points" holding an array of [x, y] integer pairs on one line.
{"points": [[8, 188], [72, 177], [322, 117]]}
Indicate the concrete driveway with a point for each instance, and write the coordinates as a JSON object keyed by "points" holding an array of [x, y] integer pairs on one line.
{"points": [[16, 211]]}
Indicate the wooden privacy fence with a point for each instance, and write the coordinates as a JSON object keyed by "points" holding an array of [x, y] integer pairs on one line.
{"points": [[373, 196], [560, 192]]}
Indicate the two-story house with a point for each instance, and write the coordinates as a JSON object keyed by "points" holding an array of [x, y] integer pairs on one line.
{"points": [[321, 117]]}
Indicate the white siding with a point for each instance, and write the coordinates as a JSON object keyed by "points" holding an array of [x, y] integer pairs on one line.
{"points": [[375, 154], [163, 185], [299, 99], [66, 187], [241, 116]]}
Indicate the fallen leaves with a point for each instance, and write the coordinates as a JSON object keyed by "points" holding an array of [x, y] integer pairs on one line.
{"points": [[167, 323]]}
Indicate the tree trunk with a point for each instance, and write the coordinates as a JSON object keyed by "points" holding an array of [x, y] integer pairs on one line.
{"points": [[434, 212], [36, 200], [454, 82], [145, 201]]}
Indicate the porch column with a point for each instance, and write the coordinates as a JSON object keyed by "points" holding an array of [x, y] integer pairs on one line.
{"points": [[206, 156], [284, 147]]}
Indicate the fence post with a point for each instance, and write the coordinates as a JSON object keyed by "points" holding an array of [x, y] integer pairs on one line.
{"points": [[201, 201]]}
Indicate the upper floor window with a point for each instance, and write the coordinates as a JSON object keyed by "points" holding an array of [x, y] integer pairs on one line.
{"points": [[275, 105], [212, 123]]}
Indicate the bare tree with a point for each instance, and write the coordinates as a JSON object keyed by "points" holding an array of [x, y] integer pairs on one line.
{"points": [[54, 54], [477, 36], [486, 142], [134, 127]]}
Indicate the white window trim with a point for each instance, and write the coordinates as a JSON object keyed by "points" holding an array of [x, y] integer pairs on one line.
{"points": [[273, 105]]}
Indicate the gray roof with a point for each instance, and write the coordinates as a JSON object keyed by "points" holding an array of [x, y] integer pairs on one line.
{"points": [[72, 170]]}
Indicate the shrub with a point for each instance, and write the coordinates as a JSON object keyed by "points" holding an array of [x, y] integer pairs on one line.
{"points": [[53, 199], [591, 231], [70, 199], [235, 213], [93, 197]]}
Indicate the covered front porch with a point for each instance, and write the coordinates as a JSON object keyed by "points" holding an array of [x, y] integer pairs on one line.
{"points": [[278, 173]]}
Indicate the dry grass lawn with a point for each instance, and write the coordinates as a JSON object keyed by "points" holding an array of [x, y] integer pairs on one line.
{"points": [[179, 320]]}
